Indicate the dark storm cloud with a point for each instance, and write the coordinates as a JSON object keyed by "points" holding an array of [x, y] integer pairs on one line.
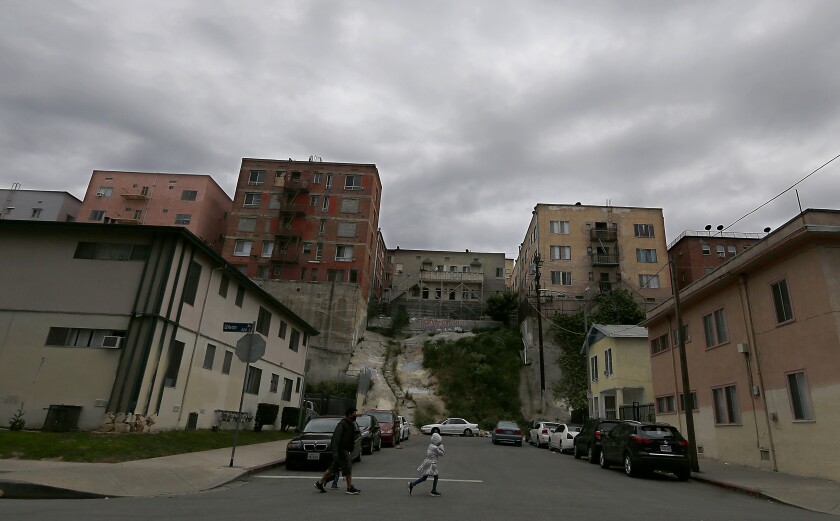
{"points": [[472, 111]]}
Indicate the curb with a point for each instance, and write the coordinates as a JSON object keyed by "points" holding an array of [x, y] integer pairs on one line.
{"points": [[740, 489], [24, 490]]}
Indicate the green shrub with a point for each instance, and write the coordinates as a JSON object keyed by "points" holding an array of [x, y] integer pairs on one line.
{"points": [[266, 415], [289, 417], [16, 422]]}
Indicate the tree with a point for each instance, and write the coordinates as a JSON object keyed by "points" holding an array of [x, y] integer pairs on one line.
{"points": [[615, 307], [501, 306]]}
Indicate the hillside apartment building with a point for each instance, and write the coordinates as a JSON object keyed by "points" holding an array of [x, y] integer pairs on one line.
{"points": [[195, 202], [38, 205], [762, 339], [98, 319], [698, 253]]}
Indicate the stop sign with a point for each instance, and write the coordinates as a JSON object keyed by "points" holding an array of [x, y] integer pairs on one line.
{"points": [[250, 348]]}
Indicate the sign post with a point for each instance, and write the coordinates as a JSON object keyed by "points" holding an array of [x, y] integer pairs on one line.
{"points": [[249, 349]]}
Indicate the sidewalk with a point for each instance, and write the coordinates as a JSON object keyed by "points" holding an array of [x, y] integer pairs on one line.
{"points": [[197, 471]]}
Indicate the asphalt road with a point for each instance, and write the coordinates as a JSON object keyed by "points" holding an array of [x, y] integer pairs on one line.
{"points": [[479, 481]]}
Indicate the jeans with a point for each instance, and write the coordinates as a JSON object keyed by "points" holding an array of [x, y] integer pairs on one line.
{"points": [[421, 479]]}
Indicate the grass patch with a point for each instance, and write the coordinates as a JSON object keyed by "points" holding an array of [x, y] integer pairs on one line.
{"points": [[88, 447]]}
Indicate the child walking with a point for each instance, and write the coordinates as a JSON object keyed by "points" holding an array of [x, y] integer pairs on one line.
{"points": [[429, 465]]}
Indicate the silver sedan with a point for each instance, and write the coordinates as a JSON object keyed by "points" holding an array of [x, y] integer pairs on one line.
{"points": [[458, 426]]}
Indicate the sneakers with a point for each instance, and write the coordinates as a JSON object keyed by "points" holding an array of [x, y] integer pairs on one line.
{"points": [[410, 488], [353, 491], [435, 493], [320, 487]]}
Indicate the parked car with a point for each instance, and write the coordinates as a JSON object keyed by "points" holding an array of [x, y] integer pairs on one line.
{"points": [[389, 426], [507, 432], [313, 446], [540, 431], [371, 437], [645, 447], [458, 426], [588, 440], [562, 438], [405, 428]]}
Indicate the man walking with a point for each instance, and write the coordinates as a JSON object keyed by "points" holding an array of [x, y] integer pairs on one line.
{"points": [[343, 442]]}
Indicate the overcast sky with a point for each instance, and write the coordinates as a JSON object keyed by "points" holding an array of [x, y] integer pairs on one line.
{"points": [[473, 111]]}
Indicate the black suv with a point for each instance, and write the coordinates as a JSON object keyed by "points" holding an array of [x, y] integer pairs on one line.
{"points": [[588, 441], [645, 447]]}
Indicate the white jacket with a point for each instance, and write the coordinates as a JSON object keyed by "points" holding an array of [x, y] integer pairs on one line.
{"points": [[435, 450]]}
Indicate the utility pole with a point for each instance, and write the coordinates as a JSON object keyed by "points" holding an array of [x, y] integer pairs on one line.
{"points": [[688, 405], [537, 263]]}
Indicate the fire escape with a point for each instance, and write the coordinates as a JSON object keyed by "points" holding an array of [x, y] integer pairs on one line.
{"points": [[603, 250], [290, 193]]}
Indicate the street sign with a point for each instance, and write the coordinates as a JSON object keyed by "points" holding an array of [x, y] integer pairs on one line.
{"points": [[237, 327], [250, 347]]}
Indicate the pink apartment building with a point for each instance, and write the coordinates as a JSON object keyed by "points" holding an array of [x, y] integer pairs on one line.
{"points": [[762, 338], [195, 202]]}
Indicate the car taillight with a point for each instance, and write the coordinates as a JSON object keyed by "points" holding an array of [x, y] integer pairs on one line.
{"points": [[640, 440], [518, 431], [597, 435], [683, 443], [545, 431], [498, 431]]}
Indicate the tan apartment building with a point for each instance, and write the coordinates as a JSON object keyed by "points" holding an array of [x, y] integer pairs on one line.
{"points": [[38, 205], [98, 319], [763, 352], [193, 201], [698, 253], [444, 284], [619, 372]]}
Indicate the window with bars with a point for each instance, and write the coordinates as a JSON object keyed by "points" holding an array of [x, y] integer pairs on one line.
{"points": [[643, 230]]}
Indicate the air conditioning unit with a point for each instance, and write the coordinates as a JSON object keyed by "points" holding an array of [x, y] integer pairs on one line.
{"points": [[112, 341], [100, 194]]}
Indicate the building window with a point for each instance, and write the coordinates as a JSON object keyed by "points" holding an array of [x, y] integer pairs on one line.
{"points": [[649, 281], [500, 272], [268, 248], [727, 411], [223, 286], [425, 293], [287, 390], [264, 321], [354, 276], [645, 255], [138, 214], [593, 368], [350, 205], [314, 277], [173, 365], [294, 340], [302, 274], [275, 382], [111, 251], [191, 283], [643, 230], [319, 251], [297, 384], [252, 199], [800, 397], [256, 177], [209, 357], [326, 205], [240, 296], [659, 344], [329, 181], [227, 361], [352, 182], [335, 275], [608, 362], [96, 215], [561, 252], [707, 250], [675, 335], [721, 251], [693, 396], [246, 224], [714, 325], [561, 278], [242, 248], [347, 229], [76, 337], [732, 250], [344, 253], [465, 269], [322, 227], [189, 195], [252, 380], [558, 227], [781, 301], [283, 327], [105, 191], [36, 213], [183, 218], [665, 404], [317, 178]]}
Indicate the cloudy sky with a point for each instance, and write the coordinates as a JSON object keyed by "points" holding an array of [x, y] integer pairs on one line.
{"points": [[473, 111]]}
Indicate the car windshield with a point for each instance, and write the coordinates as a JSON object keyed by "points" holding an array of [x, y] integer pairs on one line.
{"points": [[363, 421], [550, 425], [382, 416], [507, 425], [574, 428], [321, 425], [659, 431]]}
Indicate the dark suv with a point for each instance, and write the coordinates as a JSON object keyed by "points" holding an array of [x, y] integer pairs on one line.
{"points": [[645, 447], [588, 441]]}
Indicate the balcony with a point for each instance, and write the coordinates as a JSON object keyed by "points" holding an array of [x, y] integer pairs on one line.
{"points": [[124, 220], [603, 235], [450, 276], [603, 259], [289, 256], [294, 185], [135, 195], [285, 232], [296, 207]]}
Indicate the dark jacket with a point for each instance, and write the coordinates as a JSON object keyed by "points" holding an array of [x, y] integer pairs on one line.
{"points": [[344, 436]]}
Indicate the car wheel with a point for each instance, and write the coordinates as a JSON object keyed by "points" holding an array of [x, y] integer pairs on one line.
{"points": [[576, 451], [435, 431], [683, 474], [629, 468], [378, 445], [467, 432], [368, 450], [591, 455], [603, 461]]}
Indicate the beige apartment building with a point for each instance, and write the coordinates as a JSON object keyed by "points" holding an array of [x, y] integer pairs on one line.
{"points": [[195, 202], [586, 250], [762, 339], [38, 205], [98, 319]]}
